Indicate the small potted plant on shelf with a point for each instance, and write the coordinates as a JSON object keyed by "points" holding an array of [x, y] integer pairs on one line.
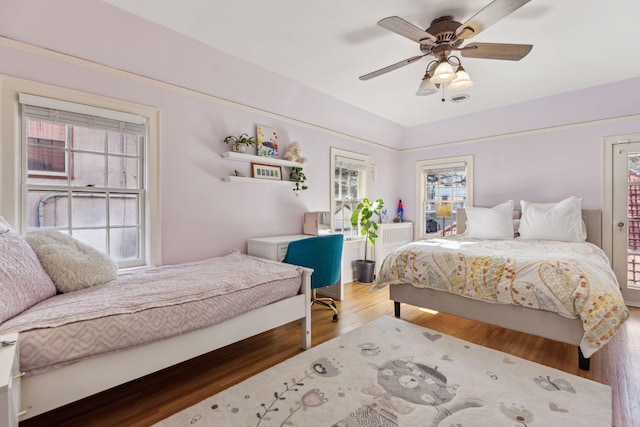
{"points": [[240, 142], [298, 178], [362, 218]]}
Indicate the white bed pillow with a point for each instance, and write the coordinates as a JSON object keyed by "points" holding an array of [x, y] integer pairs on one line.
{"points": [[23, 282], [71, 264], [560, 221], [490, 223]]}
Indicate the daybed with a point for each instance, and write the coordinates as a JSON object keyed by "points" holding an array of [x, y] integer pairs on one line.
{"points": [[440, 275], [76, 344]]}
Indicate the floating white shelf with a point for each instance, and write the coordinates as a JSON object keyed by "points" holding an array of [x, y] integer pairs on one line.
{"points": [[251, 158], [247, 180]]}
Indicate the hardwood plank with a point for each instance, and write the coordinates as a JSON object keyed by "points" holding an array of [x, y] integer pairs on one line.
{"points": [[157, 396]]}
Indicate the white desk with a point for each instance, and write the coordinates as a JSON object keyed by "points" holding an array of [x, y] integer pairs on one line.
{"points": [[275, 248]]}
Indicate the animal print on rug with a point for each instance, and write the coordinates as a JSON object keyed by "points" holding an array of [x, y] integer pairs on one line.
{"points": [[391, 373]]}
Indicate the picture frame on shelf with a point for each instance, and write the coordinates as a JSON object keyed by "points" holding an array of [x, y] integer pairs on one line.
{"points": [[266, 141], [262, 171]]}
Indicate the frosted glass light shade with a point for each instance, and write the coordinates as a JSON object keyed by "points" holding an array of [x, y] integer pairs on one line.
{"points": [[444, 73], [462, 80], [427, 87]]}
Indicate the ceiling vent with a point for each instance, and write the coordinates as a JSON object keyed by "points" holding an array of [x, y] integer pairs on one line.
{"points": [[458, 98]]}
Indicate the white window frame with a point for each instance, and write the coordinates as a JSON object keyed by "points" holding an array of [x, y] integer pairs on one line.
{"points": [[434, 164], [12, 205], [359, 158]]}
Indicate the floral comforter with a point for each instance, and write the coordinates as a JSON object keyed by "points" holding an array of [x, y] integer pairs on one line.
{"points": [[571, 279]]}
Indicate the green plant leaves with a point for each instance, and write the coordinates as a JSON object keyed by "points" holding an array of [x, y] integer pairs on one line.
{"points": [[361, 217]]}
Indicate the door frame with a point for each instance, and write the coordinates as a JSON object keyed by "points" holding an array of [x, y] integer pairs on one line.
{"points": [[607, 192]]}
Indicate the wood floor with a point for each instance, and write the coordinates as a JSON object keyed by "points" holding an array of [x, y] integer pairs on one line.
{"points": [[152, 398]]}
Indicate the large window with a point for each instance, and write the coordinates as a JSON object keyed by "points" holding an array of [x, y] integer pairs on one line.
{"points": [[443, 186], [84, 175], [349, 188]]}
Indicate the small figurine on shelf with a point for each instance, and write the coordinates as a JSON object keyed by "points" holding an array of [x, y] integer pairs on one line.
{"points": [[294, 153], [400, 212], [384, 216]]}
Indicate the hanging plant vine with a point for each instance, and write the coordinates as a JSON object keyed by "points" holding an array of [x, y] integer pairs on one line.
{"points": [[298, 178]]}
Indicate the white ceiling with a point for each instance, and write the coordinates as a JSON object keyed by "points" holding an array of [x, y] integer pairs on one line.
{"points": [[328, 44]]}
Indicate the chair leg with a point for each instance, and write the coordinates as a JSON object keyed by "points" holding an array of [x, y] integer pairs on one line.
{"points": [[327, 302]]}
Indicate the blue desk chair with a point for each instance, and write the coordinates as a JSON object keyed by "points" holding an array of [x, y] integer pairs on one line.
{"points": [[324, 255]]}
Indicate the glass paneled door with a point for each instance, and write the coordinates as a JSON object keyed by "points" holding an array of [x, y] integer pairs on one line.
{"points": [[626, 219]]}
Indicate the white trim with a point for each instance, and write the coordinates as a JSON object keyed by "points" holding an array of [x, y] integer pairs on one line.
{"points": [[345, 155], [607, 187], [37, 50], [497, 137], [607, 195], [10, 152], [418, 229]]}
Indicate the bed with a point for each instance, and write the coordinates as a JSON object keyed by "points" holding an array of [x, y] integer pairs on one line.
{"points": [[76, 344], [399, 271]]}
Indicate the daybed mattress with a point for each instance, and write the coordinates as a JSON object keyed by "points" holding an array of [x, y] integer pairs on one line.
{"points": [[571, 279], [143, 306]]}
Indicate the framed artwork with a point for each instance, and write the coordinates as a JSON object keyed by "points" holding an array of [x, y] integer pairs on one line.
{"points": [[266, 171], [267, 141]]}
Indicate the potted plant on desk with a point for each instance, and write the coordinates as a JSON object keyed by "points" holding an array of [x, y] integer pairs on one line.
{"points": [[362, 218]]}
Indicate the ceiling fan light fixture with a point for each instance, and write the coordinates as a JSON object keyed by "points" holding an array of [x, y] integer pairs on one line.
{"points": [[427, 87], [444, 72], [461, 81]]}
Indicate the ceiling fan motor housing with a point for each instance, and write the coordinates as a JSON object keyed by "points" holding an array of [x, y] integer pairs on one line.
{"points": [[444, 30]]}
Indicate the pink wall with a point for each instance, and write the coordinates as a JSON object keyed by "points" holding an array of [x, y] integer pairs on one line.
{"points": [[99, 32], [540, 151], [201, 215], [204, 216], [610, 101]]}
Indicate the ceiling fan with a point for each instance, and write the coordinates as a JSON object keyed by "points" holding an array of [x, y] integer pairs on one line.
{"points": [[445, 36]]}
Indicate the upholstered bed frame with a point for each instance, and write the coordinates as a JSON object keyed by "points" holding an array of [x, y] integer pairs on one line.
{"points": [[58, 387], [522, 319]]}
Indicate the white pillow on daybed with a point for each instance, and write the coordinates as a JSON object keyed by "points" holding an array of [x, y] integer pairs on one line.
{"points": [[71, 264], [23, 282], [560, 221], [490, 223]]}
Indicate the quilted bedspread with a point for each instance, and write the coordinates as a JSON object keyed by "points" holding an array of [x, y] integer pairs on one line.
{"points": [[571, 279], [143, 306]]}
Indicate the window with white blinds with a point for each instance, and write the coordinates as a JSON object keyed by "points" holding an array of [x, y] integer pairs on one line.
{"points": [[83, 174], [349, 188], [443, 186]]}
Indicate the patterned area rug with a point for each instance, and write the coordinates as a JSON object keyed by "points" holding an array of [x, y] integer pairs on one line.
{"points": [[393, 373]]}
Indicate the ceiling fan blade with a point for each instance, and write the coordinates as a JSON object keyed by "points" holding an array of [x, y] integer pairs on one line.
{"points": [[489, 15], [406, 29], [391, 67], [505, 51]]}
